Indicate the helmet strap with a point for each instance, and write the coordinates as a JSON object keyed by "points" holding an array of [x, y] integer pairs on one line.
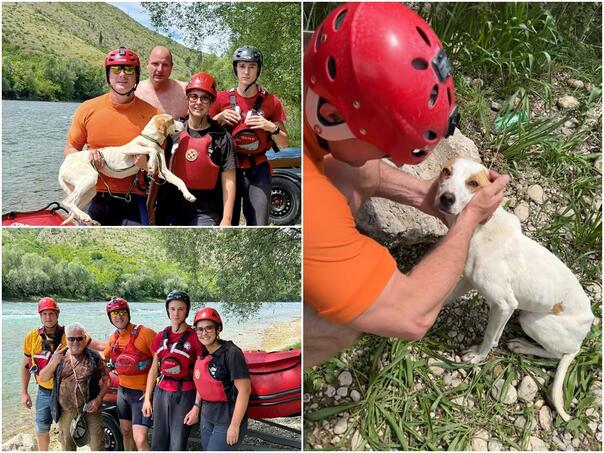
{"points": [[124, 94], [327, 132]]}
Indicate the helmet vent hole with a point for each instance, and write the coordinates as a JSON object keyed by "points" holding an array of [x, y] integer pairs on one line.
{"points": [[420, 63], [449, 95], [418, 152], [423, 36], [339, 19], [318, 39], [331, 68], [430, 135], [433, 96]]}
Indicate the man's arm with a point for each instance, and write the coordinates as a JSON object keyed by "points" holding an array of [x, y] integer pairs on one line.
{"points": [[25, 376], [282, 138], [47, 372], [228, 196], [151, 378], [408, 305]]}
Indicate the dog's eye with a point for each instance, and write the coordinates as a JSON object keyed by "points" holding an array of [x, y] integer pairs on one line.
{"points": [[446, 172], [473, 184]]}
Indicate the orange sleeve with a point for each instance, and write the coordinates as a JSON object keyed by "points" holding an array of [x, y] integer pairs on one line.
{"points": [[344, 271], [77, 134], [145, 340], [107, 350]]}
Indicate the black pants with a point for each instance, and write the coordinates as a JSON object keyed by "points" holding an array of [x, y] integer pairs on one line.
{"points": [[169, 410], [173, 210], [254, 192], [110, 211]]}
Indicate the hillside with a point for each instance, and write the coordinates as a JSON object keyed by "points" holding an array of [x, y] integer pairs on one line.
{"points": [[86, 31]]}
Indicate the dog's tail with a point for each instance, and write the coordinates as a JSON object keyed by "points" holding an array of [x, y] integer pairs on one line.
{"points": [[557, 394]]}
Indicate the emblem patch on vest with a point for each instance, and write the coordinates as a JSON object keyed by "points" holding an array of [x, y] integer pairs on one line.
{"points": [[197, 374], [191, 154]]}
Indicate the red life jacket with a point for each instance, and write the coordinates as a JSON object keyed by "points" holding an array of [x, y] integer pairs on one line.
{"points": [[208, 387], [192, 163], [129, 360], [42, 358], [249, 142], [174, 361]]}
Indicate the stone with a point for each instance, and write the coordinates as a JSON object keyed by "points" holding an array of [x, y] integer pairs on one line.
{"points": [[536, 444], [306, 398], [567, 102], [480, 440], [434, 368], [345, 378], [575, 83], [521, 422], [527, 390], [331, 391], [522, 211], [536, 193], [495, 445], [510, 396], [355, 395], [21, 442], [478, 82], [356, 441], [340, 426], [598, 165], [342, 391], [495, 106], [384, 220], [545, 418]]}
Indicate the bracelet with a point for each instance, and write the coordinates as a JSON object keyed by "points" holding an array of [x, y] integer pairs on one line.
{"points": [[276, 131], [197, 405]]}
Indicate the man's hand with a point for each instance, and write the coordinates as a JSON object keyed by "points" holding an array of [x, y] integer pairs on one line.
{"points": [[488, 199], [59, 354], [26, 400], [147, 408], [192, 416], [93, 405], [232, 434], [140, 160], [94, 156], [260, 122], [228, 116]]}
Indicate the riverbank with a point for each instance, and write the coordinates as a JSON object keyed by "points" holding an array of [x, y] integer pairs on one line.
{"points": [[280, 335]]}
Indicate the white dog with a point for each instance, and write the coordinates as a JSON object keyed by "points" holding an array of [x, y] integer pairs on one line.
{"points": [[78, 177], [513, 272]]}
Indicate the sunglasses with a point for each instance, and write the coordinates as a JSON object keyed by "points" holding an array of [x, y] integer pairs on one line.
{"points": [[129, 70], [74, 339], [116, 313], [205, 329], [194, 98]]}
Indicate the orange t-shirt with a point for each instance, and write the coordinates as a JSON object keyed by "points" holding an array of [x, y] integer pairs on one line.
{"points": [[143, 344], [344, 271], [100, 123]]}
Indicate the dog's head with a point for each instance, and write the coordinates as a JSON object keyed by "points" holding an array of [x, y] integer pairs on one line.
{"points": [[460, 179], [165, 125]]}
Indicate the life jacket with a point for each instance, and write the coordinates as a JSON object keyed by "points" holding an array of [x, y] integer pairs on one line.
{"points": [[208, 385], [192, 162], [129, 360], [249, 142], [42, 358], [174, 361], [136, 184]]}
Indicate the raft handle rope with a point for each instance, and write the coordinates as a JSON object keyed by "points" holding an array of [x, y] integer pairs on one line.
{"points": [[55, 207]]}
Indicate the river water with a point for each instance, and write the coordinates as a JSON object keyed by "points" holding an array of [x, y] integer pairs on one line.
{"points": [[33, 137], [19, 318]]}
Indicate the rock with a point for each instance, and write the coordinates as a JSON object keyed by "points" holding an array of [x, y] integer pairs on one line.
{"points": [[306, 398], [527, 389], [536, 193], [480, 440], [384, 219], [571, 124], [495, 106], [522, 211], [345, 378], [340, 426], [576, 443], [356, 441], [495, 445], [545, 418], [342, 391], [536, 444], [434, 368], [567, 102], [355, 395], [598, 165], [331, 391], [510, 396], [21, 442], [478, 82], [575, 83], [521, 422]]}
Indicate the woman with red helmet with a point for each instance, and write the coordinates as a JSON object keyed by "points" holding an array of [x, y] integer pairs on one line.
{"points": [[175, 350], [114, 119], [129, 352], [378, 84], [204, 159], [223, 386]]}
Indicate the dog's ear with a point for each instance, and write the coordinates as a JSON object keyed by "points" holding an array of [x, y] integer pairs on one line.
{"points": [[160, 125]]}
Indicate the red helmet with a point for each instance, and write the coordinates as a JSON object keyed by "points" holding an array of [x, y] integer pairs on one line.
{"points": [[115, 304], [202, 81], [385, 71], [48, 303], [122, 56], [208, 314]]}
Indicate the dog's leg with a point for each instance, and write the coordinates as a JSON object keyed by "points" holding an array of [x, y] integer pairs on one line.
{"points": [[499, 315], [84, 191], [521, 346], [463, 286], [173, 179]]}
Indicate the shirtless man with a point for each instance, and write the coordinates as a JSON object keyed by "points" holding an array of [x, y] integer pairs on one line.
{"points": [[159, 90]]}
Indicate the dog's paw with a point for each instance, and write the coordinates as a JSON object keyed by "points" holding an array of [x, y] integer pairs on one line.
{"points": [[471, 355], [190, 198], [518, 345]]}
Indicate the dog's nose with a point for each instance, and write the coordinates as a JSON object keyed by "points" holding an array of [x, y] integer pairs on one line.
{"points": [[447, 199]]}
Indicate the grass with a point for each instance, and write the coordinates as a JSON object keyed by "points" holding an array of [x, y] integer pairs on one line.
{"points": [[520, 55]]}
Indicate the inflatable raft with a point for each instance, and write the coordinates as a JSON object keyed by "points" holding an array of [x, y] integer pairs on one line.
{"points": [[276, 379], [52, 215]]}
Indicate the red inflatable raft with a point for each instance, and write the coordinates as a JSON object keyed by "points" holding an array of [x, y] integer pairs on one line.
{"points": [[276, 384], [48, 216]]}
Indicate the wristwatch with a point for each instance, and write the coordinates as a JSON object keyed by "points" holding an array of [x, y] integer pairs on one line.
{"points": [[276, 131], [197, 405]]}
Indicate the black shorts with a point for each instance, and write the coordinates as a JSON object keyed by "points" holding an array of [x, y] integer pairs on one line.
{"points": [[130, 406]]}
